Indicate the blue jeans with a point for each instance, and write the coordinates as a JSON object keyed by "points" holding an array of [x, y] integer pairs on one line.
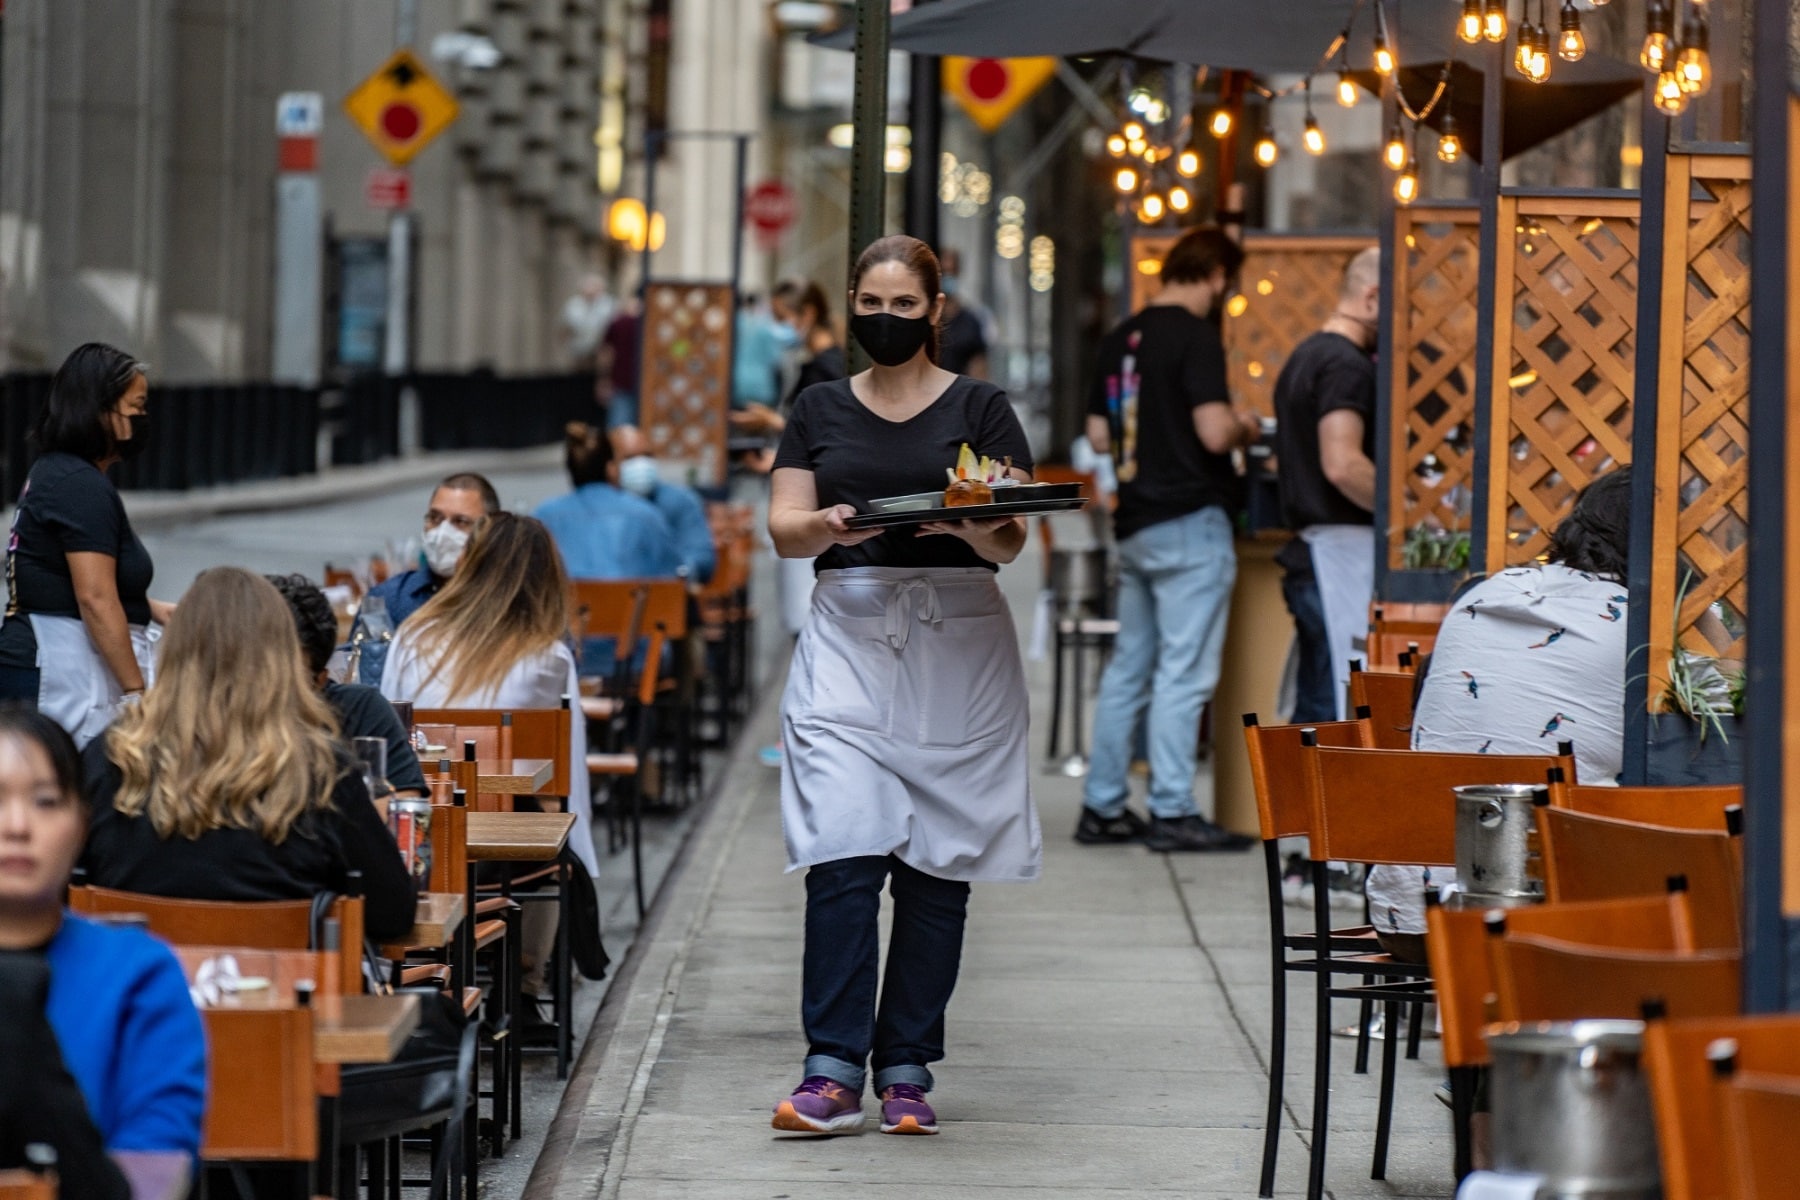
{"points": [[843, 943], [1175, 581], [1315, 688]]}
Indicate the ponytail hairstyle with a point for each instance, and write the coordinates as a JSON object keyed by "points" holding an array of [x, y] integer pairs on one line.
{"points": [[918, 259]]}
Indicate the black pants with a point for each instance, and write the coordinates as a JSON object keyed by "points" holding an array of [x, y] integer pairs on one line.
{"points": [[1315, 697], [19, 684], [844, 1027]]}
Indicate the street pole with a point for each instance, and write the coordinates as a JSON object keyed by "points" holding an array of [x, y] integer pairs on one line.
{"points": [[868, 152], [397, 349], [925, 113]]}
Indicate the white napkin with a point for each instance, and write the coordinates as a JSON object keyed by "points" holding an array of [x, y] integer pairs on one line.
{"points": [[1492, 1185]]}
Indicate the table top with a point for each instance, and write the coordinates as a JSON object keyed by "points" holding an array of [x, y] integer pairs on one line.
{"points": [[363, 1029], [517, 836], [439, 916], [513, 777]]}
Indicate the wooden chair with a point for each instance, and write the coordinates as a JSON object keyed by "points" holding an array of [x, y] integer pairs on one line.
{"points": [[1599, 858], [503, 733], [1762, 1111], [1398, 651], [1699, 808], [261, 1095], [1392, 807], [626, 767], [27, 1185], [1423, 612], [261, 925], [1538, 978], [1388, 695], [628, 611], [1282, 811], [1692, 1133]]}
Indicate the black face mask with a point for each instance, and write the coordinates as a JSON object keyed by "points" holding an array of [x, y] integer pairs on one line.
{"points": [[140, 435], [890, 339]]}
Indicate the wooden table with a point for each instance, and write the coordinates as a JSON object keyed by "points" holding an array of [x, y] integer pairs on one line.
{"points": [[518, 836], [439, 916], [362, 1029], [513, 777]]}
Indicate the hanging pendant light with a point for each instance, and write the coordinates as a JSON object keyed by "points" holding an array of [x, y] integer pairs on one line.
{"points": [[1493, 20], [1187, 164], [1469, 28], [1179, 199], [1659, 47], [1394, 153], [1571, 45], [1450, 147], [1221, 123], [1406, 187], [1151, 209], [1126, 180], [1266, 151], [1384, 57], [1693, 65], [1670, 100], [1346, 90]]}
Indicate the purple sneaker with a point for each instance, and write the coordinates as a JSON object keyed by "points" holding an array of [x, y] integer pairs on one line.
{"points": [[820, 1105], [904, 1110]]}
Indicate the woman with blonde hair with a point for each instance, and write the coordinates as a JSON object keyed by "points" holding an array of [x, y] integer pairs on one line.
{"points": [[495, 637], [228, 781]]}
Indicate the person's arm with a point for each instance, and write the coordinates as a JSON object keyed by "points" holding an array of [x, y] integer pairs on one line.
{"points": [[161, 611], [1223, 428], [798, 526], [997, 540], [1341, 456], [160, 1097], [390, 901], [96, 583]]}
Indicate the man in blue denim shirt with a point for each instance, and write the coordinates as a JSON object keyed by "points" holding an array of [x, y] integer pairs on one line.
{"points": [[1162, 407], [458, 505], [681, 506]]}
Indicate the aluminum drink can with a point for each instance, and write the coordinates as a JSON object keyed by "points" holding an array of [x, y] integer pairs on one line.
{"points": [[409, 817]]}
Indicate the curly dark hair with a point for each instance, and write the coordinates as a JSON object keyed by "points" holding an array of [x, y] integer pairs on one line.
{"points": [[1596, 535], [313, 618]]}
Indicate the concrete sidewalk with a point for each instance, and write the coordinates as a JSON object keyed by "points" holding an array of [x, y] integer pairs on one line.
{"points": [[1109, 1035]]}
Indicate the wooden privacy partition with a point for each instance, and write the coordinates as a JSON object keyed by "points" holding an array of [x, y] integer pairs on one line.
{"points": [[1564, 343], [1700, 525], [1431, 430]]}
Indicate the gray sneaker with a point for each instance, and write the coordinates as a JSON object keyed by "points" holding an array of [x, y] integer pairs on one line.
{"points": [[1193, 833]]}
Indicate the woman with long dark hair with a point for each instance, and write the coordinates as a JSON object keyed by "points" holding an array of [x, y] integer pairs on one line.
{"points": [[905, 712], [75, 639]]}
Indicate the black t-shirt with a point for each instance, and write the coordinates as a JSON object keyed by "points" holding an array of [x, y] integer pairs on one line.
{"points": [[823, 367], [1325, 373], [961, 341], [365, 712], [1154, 370], [856, 456], [68, 507], [238, 864]]}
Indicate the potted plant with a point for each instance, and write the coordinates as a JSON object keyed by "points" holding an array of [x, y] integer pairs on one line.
{"points": [[1434, 562], [1696, 724]]}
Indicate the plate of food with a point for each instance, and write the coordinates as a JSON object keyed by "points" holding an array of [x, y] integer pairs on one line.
{"points": [[976, 488]]}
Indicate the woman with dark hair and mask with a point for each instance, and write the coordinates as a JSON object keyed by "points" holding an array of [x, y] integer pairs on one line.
{"points": [[905, 712], [1528, 657], [75, 639]]}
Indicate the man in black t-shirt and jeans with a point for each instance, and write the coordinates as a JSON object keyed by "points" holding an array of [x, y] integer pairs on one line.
{"points": [[1161, 406], [1325, 465]]}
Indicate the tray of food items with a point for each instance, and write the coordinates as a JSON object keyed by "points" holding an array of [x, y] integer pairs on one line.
{"points": [[977, 488]]}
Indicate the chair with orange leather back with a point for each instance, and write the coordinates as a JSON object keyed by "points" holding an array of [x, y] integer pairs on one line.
{"points": [[1703, 808], [1691, 1134], [1388, 695]]}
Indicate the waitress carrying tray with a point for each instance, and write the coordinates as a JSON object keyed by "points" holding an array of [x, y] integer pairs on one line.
{"points": [[1024, 499]]}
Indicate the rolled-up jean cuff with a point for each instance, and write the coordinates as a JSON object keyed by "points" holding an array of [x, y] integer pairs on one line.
{"points": [[848, 1074], [911, 1073]]}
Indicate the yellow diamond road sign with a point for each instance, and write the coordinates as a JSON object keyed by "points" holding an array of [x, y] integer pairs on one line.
{"points": [[992, 89], [401, 108]]}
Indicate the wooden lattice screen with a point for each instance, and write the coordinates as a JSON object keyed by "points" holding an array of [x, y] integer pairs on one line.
{"points": [[1288, 286], [1564, 347], [1701, 525], [1431, 433], [686, 390]]}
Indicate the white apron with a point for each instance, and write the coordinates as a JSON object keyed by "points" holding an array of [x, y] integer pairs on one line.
{"points": [[75, 686], [905, 721], [1343, 560]]}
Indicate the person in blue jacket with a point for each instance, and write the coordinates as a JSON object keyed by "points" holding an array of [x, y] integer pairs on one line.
{"points": [[679, 504], [117, 999]]}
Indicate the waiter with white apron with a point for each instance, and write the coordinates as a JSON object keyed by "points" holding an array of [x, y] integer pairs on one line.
{"points": [[77, 638], [905, 713]]}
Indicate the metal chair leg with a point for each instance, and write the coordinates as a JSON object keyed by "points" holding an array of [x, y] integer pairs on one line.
{"points": [[1277, 1021], [1364, 1016], [1384, 1120], [1415, 1030], [1315, 1182]]}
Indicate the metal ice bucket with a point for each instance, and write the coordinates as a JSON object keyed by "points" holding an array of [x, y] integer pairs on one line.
{"points": [[1494, 823], [1571, 1104]]}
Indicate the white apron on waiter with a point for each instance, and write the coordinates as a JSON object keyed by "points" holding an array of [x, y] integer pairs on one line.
{"points": [[75, 686], [1343, 561], [904, 722]]}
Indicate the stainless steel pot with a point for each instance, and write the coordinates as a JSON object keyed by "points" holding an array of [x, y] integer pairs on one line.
{"points": [[1571, 1104], [1494, 823]]}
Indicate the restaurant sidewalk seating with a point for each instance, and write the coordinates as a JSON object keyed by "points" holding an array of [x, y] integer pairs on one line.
{"points": [[1702, 1135], [1388, 695]]}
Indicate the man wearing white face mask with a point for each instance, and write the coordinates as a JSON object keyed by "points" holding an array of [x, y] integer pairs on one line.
{"points": [[680, 506], [460, 504]]}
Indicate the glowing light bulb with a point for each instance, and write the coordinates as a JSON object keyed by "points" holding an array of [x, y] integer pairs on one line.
{"points": [[1571, 46], [1313, 138], [1115, 146], [1152, 207], [1693, 65], [1221, 123], [1540, 55], [1450, 147], [1394, 153], [1266, 151], [1137, 146], [1469, 28], [1126, 180], [1406, 187], [1659, 47], [1670, 100], [1179, 200], [1346, 90], [1133, 132], [1493, 20], [1522, 51], [1384, 57], [1188, 164]]}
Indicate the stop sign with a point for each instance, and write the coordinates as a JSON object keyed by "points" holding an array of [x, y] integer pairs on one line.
{"points": [[770, 207]]}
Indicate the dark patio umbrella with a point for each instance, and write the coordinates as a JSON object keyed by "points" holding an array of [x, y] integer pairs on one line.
{"points": [[1274, 37]]}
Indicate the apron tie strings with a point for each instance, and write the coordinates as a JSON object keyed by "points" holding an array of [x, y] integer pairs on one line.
{"points": [[906, 602]]}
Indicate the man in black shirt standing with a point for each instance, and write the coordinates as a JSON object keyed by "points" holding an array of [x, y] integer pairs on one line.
{"points": [[1325, 456], [1160, 404]]}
